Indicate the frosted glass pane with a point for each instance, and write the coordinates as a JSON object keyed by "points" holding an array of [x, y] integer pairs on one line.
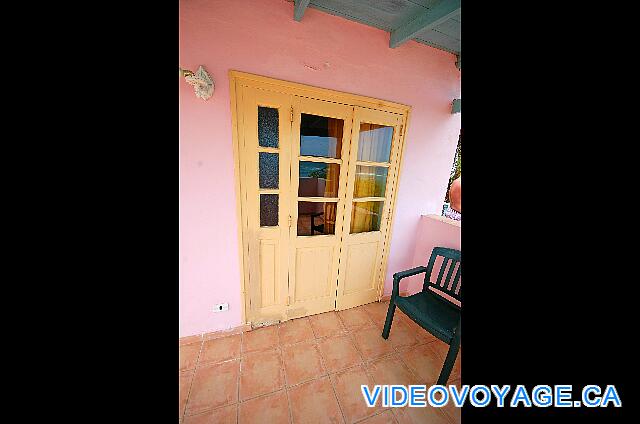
{"points": [[267, 126], [268, 210], [268, 170]]}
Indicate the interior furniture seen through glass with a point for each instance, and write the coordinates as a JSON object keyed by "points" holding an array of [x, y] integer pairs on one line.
{"points": [[316, 218]]}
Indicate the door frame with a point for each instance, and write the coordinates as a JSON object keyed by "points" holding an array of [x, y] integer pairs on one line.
{"points": [[237, 80]]}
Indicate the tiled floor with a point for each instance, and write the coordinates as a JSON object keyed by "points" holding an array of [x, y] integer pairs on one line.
{"points": [[309, 370]]}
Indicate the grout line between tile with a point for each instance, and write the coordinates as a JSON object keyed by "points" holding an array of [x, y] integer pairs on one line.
{"points": [[286, 388], [335, 394], [371, 416], [193, 377]]}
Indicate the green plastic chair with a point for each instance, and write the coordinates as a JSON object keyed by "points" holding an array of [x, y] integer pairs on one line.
{"points": [[436, 314]]}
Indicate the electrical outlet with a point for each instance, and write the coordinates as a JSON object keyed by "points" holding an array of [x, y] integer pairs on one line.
{"points": [[220, 307]]}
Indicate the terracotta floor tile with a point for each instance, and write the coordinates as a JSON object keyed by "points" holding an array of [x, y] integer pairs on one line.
{"points": [[265, 338], [295, 331], [188, 356], [302, 362], [401, 315], [220, 349], [428, 414], [401, 335], [339, 353], [424, 363], [355, 318], [315, 402], [224, 415], [260, 373], [423, 335], [452, 412], [270, 409], [214, 385], [347, 385], [391, 370], [377, 311], [327, 324], [183, 390], [371, 344], [441, 349], [183, 341], [386, 417]]}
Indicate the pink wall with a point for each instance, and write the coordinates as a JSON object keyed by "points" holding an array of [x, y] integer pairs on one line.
{"points": [[432, 232], [261, 37]]}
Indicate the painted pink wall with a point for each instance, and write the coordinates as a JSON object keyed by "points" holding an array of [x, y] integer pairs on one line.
{"points": [[261, 37], [432, 232]]}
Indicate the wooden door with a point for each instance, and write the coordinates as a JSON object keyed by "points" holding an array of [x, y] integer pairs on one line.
{"points": [[373, 169], [265, 160], [321, 135], [316, 174]]}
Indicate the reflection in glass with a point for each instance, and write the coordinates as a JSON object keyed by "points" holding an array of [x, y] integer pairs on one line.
{"points": [[320, 136], [318, 179], [268, 210], [366, 216], [371, 181], [267, 126], [268, 170], [316, 218], [374, 143]]}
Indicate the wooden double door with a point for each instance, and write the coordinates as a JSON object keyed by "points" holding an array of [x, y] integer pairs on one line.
{"points": [[317, 180]]}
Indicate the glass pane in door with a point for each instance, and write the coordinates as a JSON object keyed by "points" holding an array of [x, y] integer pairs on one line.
{"points": [[316, 218], [320, 136], [318, 179], [268, 210], [371, 181], [268, 167], [374, 144], [267, 126], [366, 216]]}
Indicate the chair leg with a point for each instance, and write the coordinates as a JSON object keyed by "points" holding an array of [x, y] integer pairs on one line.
{"points": [[448, 362], [389, 320]]}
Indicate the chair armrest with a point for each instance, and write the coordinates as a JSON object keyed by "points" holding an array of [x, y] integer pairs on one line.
{"points": [[402, 274]]}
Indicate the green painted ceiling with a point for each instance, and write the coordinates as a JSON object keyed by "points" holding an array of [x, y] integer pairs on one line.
{"points": [[389, 15]]}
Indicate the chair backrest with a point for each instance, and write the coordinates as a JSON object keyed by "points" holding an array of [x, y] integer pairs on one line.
{"points": [[448, 283]]}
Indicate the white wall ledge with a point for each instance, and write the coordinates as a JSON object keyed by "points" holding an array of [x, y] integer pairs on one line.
{"points": [[444, 219]]}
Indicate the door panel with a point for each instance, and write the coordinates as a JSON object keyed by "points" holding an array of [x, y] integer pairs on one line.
{"points": [[360, 267], [373, 161], [269, 272], [321, 135], [313, 273], [316, 182], [266, 156]]}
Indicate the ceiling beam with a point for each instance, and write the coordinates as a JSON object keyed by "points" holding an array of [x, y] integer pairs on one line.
{"points": [[299, 8], [428, 19]]}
